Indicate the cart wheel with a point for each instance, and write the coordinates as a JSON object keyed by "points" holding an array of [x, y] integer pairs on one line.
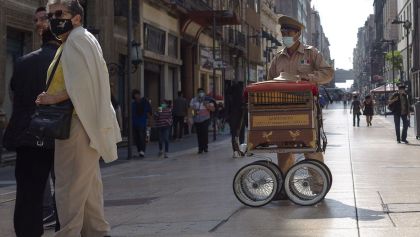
{"points": [[274, 168], [255, 185], [306, 183], [325, 168]]}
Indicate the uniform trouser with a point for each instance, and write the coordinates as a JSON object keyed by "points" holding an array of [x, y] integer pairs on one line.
{"points": [[32, 168], [79, 191], [286, 160]]}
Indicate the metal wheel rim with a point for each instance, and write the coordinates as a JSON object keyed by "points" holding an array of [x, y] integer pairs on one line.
{"points": [[255, 185], [300, 189], [325, 168]]}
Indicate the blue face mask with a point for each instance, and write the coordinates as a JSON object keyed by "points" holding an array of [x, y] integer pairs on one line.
{"points": [[288, 41], [163, 106], [201, 94]]}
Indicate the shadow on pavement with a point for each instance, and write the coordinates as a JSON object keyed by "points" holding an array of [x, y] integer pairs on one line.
{"points": [[330, 208]]}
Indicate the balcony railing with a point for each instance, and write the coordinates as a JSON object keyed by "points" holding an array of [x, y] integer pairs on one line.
{"points": [[235, 38]]}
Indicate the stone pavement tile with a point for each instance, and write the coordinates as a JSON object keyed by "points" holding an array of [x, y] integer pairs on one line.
{"points": [[6, 219], [403, 220], [389, 232], [278, 232]]}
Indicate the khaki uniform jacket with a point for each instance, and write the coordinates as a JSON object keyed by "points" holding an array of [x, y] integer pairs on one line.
{"points": [[307, 61]]}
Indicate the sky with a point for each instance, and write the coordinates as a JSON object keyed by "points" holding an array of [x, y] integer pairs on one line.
{"points": [[341, 20]]}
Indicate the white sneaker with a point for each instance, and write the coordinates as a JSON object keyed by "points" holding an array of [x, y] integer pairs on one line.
{"points": [[236, 154]]}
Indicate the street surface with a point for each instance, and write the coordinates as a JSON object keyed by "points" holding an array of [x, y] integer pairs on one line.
{"points": [[375, 192]]}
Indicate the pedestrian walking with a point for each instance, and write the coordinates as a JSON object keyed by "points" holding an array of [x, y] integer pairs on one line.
{"points": [[235, 116], [400, 106], [141, 111], [180, 112], [221, 117], [302, 60], [202, 107], [34, 160], [163, 121], [368, 109], [78, 72], [355, 108]]}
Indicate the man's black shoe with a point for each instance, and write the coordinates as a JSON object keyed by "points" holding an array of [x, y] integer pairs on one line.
{"points": [[405, 141], [206, 150], [199, 152], [398, 141]]}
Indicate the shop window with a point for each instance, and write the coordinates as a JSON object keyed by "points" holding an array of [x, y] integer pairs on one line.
{"points": [[154, 39], [172, 46], [121, 9]]}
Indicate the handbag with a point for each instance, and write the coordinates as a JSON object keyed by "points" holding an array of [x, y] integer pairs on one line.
{"points": [[52, 121]]}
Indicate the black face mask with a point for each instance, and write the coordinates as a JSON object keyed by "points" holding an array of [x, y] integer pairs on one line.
{"points": [[60, 26], [48, 36]]}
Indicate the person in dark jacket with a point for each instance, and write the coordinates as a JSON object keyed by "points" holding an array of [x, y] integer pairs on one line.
{"points": [[355, 108], [236, 117], [180, 111], [34, 158], [401, 109], [142, 110]]}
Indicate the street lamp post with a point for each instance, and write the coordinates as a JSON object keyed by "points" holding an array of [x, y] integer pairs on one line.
{"points": [[392, 43], [407, 26]]}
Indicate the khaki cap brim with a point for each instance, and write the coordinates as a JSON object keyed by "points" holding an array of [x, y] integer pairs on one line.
{"points": [[289, 22]]}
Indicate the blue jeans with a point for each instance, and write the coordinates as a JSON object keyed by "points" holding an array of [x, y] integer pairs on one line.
{"points": [[164, 137], [405, 121]]}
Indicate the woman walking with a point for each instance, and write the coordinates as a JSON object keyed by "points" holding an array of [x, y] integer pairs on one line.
{"points": [[368, 109]]}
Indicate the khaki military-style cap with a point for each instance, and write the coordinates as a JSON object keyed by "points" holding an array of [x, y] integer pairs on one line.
{"points": [[290, 23]]}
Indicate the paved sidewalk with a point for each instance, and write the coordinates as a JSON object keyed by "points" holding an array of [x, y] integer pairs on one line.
{"points": [[375, 191]]}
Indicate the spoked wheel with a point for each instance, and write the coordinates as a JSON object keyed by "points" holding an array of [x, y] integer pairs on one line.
{"points": [[274, 167], [325, 168], [306, 183], [255, 185]]}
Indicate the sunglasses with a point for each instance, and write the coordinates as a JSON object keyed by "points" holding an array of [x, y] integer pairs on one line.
{"points": [[56, 14]]}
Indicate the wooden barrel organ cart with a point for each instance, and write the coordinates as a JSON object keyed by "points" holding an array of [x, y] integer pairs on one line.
{"points": [[283, 117]]}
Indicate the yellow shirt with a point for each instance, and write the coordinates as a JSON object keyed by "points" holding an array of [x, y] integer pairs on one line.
{"points": [[57, 84]]}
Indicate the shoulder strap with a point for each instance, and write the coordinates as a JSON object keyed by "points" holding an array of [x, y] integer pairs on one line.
{"points": [[53, 71]]}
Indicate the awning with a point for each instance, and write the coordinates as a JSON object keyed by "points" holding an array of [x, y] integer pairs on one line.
{"points": [[381, 89], [197, 21]]}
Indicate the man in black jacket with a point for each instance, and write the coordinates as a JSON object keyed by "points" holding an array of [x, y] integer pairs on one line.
{"points": [[400, 106], [34, 159]]}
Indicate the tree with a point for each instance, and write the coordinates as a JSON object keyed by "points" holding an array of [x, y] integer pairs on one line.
{"points": [[397, 61]]}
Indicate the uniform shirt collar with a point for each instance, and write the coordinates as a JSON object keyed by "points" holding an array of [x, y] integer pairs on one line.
{"points": [[301, 49]]}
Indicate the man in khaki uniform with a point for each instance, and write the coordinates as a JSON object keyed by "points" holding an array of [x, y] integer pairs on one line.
{"points": [[301, 60]]}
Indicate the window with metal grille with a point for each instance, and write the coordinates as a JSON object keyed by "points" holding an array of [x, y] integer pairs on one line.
{"points": [[154, 39]]}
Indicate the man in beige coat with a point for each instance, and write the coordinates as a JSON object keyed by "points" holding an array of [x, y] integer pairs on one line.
{"points": [[82, 77], [301, 60]]}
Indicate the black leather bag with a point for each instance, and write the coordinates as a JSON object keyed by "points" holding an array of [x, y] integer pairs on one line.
{"points": [[52, 121]]}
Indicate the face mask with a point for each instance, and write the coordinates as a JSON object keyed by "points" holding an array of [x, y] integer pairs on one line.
{"points": [[60, 26], [163, 106], [288, 41], [201, 94]]}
